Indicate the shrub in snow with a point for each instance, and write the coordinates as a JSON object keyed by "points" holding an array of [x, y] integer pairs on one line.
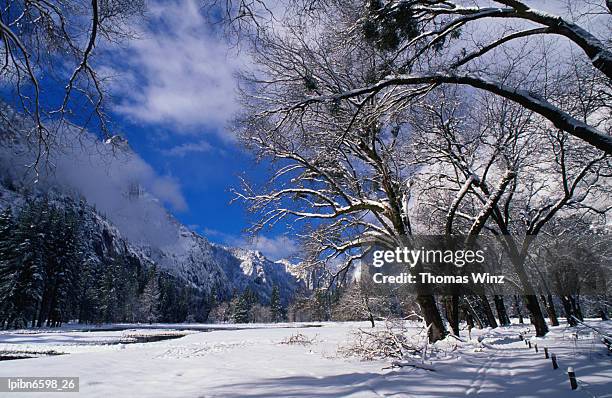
{"points": [[393, 340], [298, 338]]}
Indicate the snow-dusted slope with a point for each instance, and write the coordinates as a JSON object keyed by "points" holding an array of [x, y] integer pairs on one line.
{"points": [[206, 264], [123, 194], [254, 270]]}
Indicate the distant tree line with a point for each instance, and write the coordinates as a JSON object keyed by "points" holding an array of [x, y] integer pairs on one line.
{"points": [[361, 301], [247, 307]]}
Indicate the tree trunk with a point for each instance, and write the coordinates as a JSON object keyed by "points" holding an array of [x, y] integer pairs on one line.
{"points": [[567, 308], [504, 319], [468, 316], [370, 315], [603, 315], [531, 300], [437, 330], [451, 304], [550, 309], [519, 311], [576, 307], [455, 308], [488, 311], [535, 313], [476, 320]]}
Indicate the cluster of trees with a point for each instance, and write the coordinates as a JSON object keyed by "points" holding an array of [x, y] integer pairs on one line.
{"points": [[389, 119], [39, 257], [364, 301], [56, 266], [247, 307]]}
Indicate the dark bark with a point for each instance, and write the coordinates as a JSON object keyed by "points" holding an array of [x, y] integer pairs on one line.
{"points": [[473, 313], [502, 314], [468, 317], [603, 315], [576, 307], [531, 300], [451, 305], [366, 302], [567, 308], [519, 311], [455, 312], [437, 330], [535, 313], [550, 309], [488, 312]]}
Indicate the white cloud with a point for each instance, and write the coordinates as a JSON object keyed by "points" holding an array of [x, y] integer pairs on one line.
{"points": [[275, 248], [181, 73], [118, 182], [168, 190], [187, 148]]}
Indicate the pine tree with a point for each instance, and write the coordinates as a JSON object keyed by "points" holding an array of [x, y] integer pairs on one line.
{"points": [[278, 312], [26, 268], [68, 269], [7, 229], [107, 291], [241, 310], [212, 301], [149, 299], [320, 310], [54, 256], [7, 253], [88, 305]]}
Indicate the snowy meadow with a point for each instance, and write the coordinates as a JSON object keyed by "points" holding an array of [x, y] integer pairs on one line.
{"points": [[308, 360]]}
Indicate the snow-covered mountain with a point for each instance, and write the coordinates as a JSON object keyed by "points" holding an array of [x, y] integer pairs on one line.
{"points": [[209, 265], [125, 203]]}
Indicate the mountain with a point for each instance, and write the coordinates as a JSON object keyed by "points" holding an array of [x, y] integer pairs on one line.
{"points": [[122, 200], [209, 266]]}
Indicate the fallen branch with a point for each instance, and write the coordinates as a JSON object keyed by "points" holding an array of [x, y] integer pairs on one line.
{"points": [[406, 364]]}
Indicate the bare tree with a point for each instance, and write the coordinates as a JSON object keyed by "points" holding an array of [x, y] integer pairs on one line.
{"points": [[506, 173], [341, 175], [48, 46], [355, 303], [442, 42]]}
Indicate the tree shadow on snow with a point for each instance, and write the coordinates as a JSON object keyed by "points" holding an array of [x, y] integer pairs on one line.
{"points": [[524, 375]]}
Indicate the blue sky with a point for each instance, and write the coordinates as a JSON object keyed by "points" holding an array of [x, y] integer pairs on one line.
{"points": [[174, 92]]}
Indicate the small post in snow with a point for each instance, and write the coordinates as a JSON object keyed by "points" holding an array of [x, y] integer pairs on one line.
{"points": [[572, 378], [536, 347], [545, 352], [529, 343], [554, 361]]}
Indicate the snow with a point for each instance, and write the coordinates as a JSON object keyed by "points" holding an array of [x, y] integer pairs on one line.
{"points": [[253, 362]]}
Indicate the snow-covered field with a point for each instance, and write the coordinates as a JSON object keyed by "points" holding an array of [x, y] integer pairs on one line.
{"points": [[253, 362]]}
